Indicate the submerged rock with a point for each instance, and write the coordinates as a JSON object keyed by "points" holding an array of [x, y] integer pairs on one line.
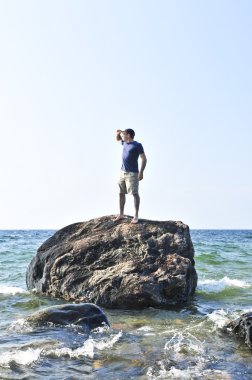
{"points": [[242, 327], [117, 264], [86, 315]]}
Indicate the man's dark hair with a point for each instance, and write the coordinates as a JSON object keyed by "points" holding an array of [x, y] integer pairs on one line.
{"points": [[130, 132]]}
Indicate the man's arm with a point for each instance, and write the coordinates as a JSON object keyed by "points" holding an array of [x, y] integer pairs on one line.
{"points": [[118, 135], [143, 164]]}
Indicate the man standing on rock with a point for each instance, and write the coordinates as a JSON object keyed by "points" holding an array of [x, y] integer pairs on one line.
{"points": [[130, 175]]}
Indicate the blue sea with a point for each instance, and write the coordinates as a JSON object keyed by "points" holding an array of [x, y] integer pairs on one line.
{"points": [[182, 343]]}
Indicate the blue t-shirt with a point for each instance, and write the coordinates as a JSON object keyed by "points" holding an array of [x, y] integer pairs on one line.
{"points": [[130, 154]]}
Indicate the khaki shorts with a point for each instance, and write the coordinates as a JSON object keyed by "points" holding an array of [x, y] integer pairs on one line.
{"points": [[128, 183]]}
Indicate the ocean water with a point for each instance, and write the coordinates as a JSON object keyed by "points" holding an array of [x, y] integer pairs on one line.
{"points": [[182, 343]]}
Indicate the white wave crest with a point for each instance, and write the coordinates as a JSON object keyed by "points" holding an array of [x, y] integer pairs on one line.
{"points": [[20, 326], [217, 286], [23, 357], [219, 318], [87, 349], [12, 290], [184, 342], [145, 328]]}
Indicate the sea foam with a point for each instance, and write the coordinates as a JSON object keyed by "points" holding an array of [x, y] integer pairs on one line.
{"points": [[87, 349], [22, 357], [20, 326], [184, 342], [219, 318]]}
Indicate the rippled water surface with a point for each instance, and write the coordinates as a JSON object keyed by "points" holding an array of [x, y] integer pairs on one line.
{"points": [[184, 343]]}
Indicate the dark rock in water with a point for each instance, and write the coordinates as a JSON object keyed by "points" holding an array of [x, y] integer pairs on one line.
{"points": [[242, 327], [117, 264], [85, 315]]}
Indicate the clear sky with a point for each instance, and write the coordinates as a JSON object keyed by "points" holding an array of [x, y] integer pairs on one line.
{"points": [[177, 72]]}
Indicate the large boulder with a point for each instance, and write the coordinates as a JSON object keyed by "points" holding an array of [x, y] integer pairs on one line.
{"points": [[117, 264]]}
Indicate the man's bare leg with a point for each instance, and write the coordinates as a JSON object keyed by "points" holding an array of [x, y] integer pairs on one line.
{"points": [[122, 199], [136, 204]]}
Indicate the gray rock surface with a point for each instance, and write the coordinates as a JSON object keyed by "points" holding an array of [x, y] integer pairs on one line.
{"points": [[242, 327], [117, 264], [86, 315]]}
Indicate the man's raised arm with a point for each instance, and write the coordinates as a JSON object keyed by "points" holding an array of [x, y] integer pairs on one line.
{"points": [[118, 135]]}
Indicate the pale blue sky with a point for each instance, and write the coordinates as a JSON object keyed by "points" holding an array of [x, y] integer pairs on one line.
{"points": [[178, 72]]}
